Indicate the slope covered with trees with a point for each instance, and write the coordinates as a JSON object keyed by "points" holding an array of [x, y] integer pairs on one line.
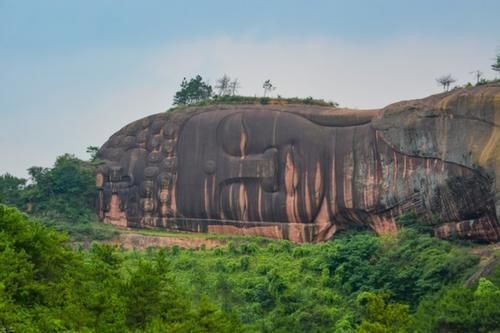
{"points": [[47, 287], [358, 282], [62, 197]]}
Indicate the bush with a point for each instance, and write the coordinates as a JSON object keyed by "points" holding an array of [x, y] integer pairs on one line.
{"points": [[47, 287]]}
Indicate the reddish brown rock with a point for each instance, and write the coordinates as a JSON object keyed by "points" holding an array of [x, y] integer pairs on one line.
{"points": [[303, 172]]}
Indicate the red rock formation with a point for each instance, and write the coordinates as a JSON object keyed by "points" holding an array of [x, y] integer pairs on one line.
{"points": [[304, 172]]}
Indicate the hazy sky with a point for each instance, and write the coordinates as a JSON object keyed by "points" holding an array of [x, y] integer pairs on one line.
{"points": [[74, 72]]}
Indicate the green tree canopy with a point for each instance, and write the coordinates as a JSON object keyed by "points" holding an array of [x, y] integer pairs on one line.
{"points": [[10, 190], [192, 91], [68, 188], [496, 65], [381, 317], [45, 286]]}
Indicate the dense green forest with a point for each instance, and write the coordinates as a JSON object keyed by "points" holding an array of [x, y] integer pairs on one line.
{"points": [[358, 282], [47, 287], [62, 197]]}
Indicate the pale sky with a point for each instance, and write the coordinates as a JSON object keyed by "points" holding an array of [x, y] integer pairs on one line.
{"points": [[74, 72]]}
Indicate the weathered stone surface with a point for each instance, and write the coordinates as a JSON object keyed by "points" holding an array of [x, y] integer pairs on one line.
{"points": [[303, 172], [131, 241]]}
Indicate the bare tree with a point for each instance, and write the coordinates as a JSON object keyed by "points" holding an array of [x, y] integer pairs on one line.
{"points": [[234, 86], [478, 74], [445, 81], [223, 85], [268, 87]]}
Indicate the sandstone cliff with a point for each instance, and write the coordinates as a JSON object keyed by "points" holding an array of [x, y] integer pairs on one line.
{"points": [[303, 172]]}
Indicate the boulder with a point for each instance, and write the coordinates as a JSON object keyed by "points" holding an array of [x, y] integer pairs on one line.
{"points": [[304, 172]]}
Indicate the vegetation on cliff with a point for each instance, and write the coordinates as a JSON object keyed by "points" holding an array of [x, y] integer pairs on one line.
{"points": [[197, 92], [256, 101], [496, 65]]}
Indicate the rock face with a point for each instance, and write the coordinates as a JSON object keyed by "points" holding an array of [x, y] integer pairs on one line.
{"points": [[303, 172]]}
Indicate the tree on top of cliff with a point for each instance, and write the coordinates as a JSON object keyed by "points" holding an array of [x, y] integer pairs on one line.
{"points": [[445, 81], [234, 86], [227, 87], [479, 76], [496, 66], [268, 87], [192, 91], [222, 85]]}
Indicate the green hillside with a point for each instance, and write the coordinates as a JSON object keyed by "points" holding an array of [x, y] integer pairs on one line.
{"points": [[356, 283]]}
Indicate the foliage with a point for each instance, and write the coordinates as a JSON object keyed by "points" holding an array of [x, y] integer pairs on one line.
{"points": [[62, 197], [47, 287], [216, 100], [10, 190], [67, 189], [459, 309], [81, 232], [380, 317], [410, 282], [496, 65], [33, 263], [410, 266], [329, 287], [481, 82], [197, 92], [358, 282], [192, 91], [409, 220], [93, 151]]}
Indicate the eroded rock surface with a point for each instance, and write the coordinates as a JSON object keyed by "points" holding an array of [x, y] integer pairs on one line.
{"points": [[303, 172], [130, 241]]}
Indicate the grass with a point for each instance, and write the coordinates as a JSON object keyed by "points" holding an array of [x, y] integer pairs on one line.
{"points": [[89, 231], [217, 100], [482, 82], [159, 232]]}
